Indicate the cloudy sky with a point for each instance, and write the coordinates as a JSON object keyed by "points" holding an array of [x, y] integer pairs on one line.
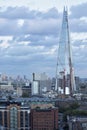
{"points": [[29, 34]]}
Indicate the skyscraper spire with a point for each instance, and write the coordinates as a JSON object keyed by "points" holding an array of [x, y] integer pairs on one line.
{"points": [[65, 82]]}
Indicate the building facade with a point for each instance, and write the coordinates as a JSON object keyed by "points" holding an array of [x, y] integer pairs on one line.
{"points": [[44, 119], [41, 83], [13, 116]]}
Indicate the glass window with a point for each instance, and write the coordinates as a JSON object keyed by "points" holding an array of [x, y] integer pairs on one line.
{"points": [[13, 118]]}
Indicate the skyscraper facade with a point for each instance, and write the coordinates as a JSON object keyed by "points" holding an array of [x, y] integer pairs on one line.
{"points": [[65, 83]]}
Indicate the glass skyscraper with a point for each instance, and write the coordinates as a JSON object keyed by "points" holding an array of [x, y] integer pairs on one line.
{"points": [[65, 83]]}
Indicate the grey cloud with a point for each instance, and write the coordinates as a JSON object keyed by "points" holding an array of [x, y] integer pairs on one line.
{"points": [[52, 13], [9, 27], [40, 40], [42, 27], [25, 13], [31, 38], [28, 58], [77, 43], [18, 13], [22, 50], [79, 11], [77, 25]]}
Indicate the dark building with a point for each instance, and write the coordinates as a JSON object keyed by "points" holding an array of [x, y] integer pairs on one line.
{"points": [[26, 91], [77, 82], [44, 119]]}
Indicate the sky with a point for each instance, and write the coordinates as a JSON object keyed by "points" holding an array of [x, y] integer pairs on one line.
{"points": [[29, 35]]}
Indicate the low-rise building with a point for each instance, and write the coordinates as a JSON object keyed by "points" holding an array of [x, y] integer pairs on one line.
{"points": [[14, 116], [43, 118]]}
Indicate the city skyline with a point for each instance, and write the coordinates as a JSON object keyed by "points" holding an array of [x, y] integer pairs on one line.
{"points": [[29, 36]]}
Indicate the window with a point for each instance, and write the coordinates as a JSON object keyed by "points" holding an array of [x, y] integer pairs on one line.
{"points": [[13, 118]]}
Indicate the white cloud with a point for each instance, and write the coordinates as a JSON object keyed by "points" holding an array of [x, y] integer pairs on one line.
{"points": [[83, 19], [20, 22], [78, 36], [6, 38], [41, 4]]}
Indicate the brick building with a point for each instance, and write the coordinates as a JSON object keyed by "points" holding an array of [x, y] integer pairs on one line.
{"points": [[44, 119]]}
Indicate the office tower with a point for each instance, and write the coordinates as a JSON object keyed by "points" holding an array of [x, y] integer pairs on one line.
{"points": [[44, 118], [65, 83], [41, 83]]}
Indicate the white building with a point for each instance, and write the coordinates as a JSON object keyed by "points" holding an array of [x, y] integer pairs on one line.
{"points": [[43, 81], [35, 88]]}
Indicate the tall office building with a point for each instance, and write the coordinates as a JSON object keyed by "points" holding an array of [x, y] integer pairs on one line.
{"points": [[65, 83], [41, 83]]}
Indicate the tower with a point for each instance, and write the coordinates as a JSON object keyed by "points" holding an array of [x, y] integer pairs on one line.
{"points": [[65, 83]]}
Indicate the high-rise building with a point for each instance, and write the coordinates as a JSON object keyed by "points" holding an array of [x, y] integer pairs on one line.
{"points": [[41, 83], [65, 83]]}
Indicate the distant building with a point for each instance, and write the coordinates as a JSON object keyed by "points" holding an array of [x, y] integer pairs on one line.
{"points": [[19, 91], [35, 88], [6, 86], [77, 123], [41, 83], [26, 91], [40, 76], [83, 88], [77, 81], [44, 118]]}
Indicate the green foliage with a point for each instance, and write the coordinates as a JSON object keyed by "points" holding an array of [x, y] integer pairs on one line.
{"points": [[74, 106], [79, 112], [72, 110], [37, 107]]}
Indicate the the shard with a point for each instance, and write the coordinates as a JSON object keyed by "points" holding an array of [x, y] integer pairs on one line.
{"points": [[65, 82]]}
